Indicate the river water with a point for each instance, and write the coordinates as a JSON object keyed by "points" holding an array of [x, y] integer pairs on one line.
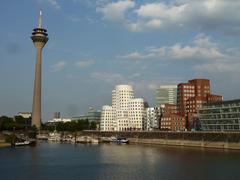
{"points": [[110, 161]]}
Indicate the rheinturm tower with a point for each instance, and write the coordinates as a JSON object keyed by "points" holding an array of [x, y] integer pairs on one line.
{"points": [[39, 38]]}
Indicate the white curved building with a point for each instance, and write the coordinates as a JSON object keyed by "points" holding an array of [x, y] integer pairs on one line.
{"points": [[106, 123], [136, 114], [120, 99], [127, 113]]}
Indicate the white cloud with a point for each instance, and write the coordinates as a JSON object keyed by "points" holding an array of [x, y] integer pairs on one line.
{"points": [[85, 63], [58, 66], [115, 11], [161, 10], [135, 56], [55, 4], [218, 15], [200, 48]]}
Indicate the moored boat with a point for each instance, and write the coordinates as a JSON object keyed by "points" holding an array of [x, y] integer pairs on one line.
{"points": [[30, 142], [122, 140]]}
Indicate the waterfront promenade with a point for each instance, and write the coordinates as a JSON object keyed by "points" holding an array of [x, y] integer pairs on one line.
{"points": [[222, 140]]}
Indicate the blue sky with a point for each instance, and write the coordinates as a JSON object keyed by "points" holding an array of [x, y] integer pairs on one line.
{"points": [[96, 44]]}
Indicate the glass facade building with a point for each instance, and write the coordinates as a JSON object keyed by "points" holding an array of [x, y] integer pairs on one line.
{"points": [[166, 95], [92, 115], [221, 116]]}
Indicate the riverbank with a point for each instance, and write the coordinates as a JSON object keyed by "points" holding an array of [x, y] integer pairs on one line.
{"points": [[185, 143], [219, 140], [2, 145]]}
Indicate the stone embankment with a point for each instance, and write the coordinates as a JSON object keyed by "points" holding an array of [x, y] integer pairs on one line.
{"points": [[223, 140], [2, 141]]}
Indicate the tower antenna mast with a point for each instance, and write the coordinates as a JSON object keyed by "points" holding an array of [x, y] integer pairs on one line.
{"points": [[40, 19]]}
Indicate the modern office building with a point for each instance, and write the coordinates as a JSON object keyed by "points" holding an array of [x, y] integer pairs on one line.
{"points": [[220, 116], [92, 116], [166, 95], [171, 120], [136, 114], [153, 115], [57, 115], [106, 123], [192, 95], [190, 98], [39, 38], [127, 113], [121, 96]]}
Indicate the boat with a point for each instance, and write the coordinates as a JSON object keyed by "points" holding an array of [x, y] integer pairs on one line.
{"points": [[42, 137], [24, 143], [30, 142], [83, 139], [56, 137], [122, 140], [94, 141], [106, 139], [113, 139]]}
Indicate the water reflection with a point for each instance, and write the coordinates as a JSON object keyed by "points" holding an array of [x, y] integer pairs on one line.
{"points": [[110, 161]]}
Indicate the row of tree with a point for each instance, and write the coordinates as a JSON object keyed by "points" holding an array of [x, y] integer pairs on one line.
{"points": [[72, 126], [15, 123], [20, 123]]}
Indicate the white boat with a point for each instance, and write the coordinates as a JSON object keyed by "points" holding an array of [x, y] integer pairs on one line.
{"points": [[24, 143], [54, 136], [42, 137], [94, 141], [83, 139], [113, 139], [122, 140]]}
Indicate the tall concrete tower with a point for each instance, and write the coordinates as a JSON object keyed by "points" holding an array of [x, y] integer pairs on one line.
{"points": [[39, 38]]}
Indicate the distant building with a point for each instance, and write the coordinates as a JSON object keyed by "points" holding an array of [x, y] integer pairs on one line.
{"points": [[166, 95], [220, 116], [153, 115], [26, 115], [128, 113], [57, 115], [171, 120], [55, 120], [106, 123], [191, 96], [136, 114], [121, 96], [92, 116]]}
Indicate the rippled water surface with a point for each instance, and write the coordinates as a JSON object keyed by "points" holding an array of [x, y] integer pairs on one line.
{"points": [[109, 161]]}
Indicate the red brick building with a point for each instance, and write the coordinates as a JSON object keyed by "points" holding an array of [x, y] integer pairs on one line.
{"points": [[190, 98], [171, 120], [192, 95]]}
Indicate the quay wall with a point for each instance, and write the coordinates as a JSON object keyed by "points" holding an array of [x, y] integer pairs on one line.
{"points": [[223, 140], [2, 141]]}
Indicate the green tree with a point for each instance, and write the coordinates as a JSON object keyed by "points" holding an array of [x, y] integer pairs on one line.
{"points": [[93, 125], [22, 120]]}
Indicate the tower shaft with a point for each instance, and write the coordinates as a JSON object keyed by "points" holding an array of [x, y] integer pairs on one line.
{"points": [[36, 106]]}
